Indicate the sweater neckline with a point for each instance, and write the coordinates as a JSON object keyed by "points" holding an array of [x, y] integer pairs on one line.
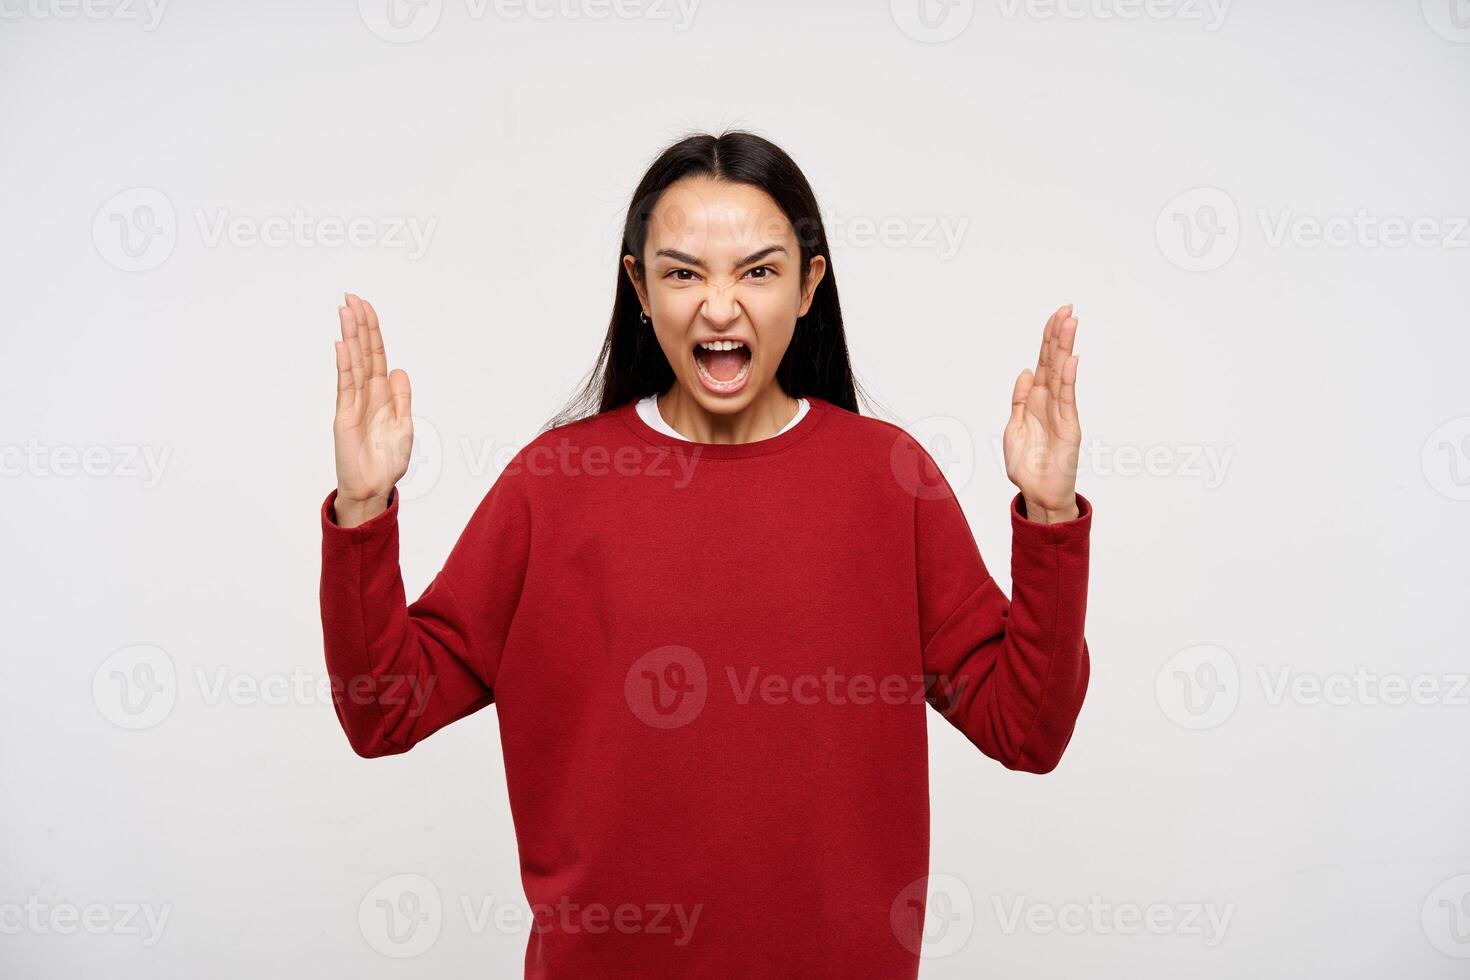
{"points": [[816, 411]]}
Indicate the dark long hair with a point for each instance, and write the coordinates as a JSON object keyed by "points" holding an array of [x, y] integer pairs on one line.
{"points": [[631, 363]]}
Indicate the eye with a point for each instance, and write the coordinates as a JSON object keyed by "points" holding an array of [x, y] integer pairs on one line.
{"points": [[675, 272], [762, 268]]}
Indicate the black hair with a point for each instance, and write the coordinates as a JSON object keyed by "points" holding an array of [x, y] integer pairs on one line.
{"points": [[632, 365]]}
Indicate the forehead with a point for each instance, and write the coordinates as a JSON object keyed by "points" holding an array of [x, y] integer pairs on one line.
{"points": [[717, 219]]}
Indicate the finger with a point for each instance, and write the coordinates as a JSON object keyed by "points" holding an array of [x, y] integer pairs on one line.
{"points": [[346, 394], [1068, 406], [375, 340], [1066, 337], [1043, 377], [354, 353], [1047, 337], [354, 303], [402, 394], [365, 331], [1061, 350], [1019, 394], [1040, 372]]}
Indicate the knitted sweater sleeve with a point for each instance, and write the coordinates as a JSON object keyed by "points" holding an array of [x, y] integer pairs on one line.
{"points": [[401, 671], [1010, 673]]}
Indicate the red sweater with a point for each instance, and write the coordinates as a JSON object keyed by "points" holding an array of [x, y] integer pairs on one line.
{"points": [[711, 665]]}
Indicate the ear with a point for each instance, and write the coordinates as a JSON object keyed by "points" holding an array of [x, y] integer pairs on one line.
{"points": [[630, 266], [816, 269]]}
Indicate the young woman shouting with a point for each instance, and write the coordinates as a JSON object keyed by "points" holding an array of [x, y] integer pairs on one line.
{"points": [[711, 602]]}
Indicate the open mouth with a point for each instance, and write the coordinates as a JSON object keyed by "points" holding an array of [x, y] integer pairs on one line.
{"points": [[722, 365]]}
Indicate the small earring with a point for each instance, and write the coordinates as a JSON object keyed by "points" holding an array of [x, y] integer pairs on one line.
{"points": [[643, 316]]}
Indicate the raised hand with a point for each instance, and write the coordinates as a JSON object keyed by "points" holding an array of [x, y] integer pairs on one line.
{"points": [[373, 427], [1043, 438]]}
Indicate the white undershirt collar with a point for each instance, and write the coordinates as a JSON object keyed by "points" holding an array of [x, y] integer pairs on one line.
{"points": [[648, 411]]}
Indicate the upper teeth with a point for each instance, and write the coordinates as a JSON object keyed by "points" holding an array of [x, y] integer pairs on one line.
{"points": [[722, 344]]}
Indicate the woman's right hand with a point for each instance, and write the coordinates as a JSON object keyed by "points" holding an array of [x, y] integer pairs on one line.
{"points": [[373, 428]]}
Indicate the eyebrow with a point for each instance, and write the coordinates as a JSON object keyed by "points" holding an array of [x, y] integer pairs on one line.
{"points": [[685, 257]]}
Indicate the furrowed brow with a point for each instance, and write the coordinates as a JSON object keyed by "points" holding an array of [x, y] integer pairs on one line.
{"points": [[688, 259]]}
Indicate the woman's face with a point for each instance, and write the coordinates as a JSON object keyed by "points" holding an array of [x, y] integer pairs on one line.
{"points": [[722, 289]]}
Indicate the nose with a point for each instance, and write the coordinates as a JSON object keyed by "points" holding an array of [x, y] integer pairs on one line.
{"points": [[720, 307]]}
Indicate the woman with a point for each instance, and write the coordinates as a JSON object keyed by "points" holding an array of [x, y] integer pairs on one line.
{"points": [[711, 612]]}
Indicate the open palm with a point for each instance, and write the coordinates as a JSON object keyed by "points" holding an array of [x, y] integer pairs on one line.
{"points": [[373, 427], [1043, 437]]}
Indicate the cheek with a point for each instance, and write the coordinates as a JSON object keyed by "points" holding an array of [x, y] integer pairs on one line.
{"points": [[673, 340], [773, 313], [768, 310], [673, 298]]}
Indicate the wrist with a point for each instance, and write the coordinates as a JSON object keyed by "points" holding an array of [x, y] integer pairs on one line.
{"points": [[1040, 514], [350, 512]]}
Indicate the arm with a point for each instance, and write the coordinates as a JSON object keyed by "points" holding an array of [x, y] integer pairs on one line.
{"points": [[1010, 674], [401, 672]]}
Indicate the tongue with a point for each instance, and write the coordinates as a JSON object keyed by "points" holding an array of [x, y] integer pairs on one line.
{"points": [[723, 365]]}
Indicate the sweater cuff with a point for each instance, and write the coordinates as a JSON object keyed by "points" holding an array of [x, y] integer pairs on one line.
{"points": [[376, 525], [1031, 532]]}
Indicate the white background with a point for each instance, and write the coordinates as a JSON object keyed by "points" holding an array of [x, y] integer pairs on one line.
{"points": [[1326, 381]]}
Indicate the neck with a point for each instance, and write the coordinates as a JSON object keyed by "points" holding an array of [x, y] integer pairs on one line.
{"points": [[765, 416]]}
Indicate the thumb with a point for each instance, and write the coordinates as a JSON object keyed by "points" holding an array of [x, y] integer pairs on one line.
{"points": [[1019, 393], [402, 394]]}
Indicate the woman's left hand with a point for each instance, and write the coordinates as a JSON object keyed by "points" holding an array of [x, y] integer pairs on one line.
{"points": [[1043, 438]]}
